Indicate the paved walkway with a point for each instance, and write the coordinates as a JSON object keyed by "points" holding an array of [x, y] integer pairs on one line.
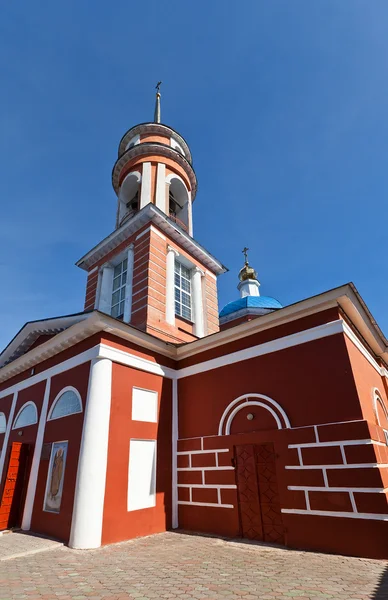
{"points": [[13, 545], [177, 566]]}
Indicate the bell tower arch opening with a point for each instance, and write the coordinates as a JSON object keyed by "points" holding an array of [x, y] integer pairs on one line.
{"points": [[179, 203], [128, 198]]}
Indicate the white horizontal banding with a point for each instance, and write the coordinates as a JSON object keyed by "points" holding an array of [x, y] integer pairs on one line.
{"points": [[338, 489], [339, 443], [206, 469], [207, 485], [214, 505], [185, 452], [244, 399], [341, 466], [330, 513]]}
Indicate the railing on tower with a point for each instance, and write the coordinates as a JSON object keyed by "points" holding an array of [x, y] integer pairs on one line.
{"points": [[180, 223]]}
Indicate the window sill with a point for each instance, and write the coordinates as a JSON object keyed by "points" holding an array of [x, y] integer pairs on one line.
{"points": [[184, 319]]}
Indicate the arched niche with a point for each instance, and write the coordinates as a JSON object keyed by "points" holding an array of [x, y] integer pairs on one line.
{"points": [[380, 409], [253, 404], [179, 202], [129, 197]]}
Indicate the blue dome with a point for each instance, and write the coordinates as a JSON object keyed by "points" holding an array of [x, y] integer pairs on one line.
{"points": [[264, 302]]}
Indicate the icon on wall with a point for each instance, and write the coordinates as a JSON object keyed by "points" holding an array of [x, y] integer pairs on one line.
{"points": [[55, 477]]}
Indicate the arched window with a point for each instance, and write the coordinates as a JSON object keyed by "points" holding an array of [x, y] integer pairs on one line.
{"points": [[68, 402], [3, 423], [27, 415]]}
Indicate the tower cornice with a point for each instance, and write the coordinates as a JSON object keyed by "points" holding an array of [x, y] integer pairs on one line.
{"points": [[156, 129], [156, 149], [150, 214]]}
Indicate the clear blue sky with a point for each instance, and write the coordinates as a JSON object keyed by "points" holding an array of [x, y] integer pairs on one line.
{"points": [[284, 104]]}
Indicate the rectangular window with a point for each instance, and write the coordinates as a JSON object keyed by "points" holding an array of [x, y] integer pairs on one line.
{"points": [[144, 405], [118, 290], [182, 291], [142, 474]]}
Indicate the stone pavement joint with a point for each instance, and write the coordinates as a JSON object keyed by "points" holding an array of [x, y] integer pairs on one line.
{"points": [[178, 566]]}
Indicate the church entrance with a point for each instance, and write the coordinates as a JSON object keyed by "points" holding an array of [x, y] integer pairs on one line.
{"points": [[15, 486], [259, 506]]}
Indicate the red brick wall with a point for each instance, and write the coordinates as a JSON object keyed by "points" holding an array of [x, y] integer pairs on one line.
{"points": [[67, 428]]}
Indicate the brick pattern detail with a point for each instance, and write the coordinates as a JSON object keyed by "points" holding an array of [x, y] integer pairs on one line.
{"points": [[207, 478], [339, 473]]}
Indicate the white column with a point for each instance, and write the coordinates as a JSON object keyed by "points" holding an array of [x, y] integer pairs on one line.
{"points": [[160, 199], [175, 522], [129, 285], [7, 432], [105, 299], [145, 194], [86, 525], [31, 489], [170, 288], [197, 302]]}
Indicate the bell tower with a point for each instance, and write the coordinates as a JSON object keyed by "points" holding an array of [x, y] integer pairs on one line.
{"points": [[150, 272], [154, 165]]}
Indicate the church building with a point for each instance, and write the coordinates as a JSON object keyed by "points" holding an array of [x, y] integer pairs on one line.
{"points": [[151, 410]]}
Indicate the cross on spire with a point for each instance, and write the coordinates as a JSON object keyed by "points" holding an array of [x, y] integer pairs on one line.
{"points": [[157, 103], [245, 252]]}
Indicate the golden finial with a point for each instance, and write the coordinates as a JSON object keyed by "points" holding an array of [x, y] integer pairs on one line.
{"points": [[247, 272]]}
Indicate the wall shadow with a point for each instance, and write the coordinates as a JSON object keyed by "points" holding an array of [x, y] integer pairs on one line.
{"points": [[381, 591]]}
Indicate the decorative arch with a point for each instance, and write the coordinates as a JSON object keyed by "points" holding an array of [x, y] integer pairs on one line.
{"points": [[27, 415], [241, 402], [67, 402], [3, 422], [378, 399]]}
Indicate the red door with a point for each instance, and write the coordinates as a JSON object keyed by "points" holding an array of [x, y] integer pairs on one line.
{"points": [[259, 506], [15, 484]]}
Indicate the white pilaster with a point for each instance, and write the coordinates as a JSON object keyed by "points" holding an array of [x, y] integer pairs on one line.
{"points": [[145, 194], [105, 299], [175, 522], [7, 432], [129, 285], [86, 525], [31, 489], [160, 199], [197, 302], [170, 288]]}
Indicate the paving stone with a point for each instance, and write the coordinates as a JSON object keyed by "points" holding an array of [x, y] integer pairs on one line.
{"points": [[177, 566]]}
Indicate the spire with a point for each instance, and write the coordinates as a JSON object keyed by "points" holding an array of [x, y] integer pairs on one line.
{"points": [[157, 103]]}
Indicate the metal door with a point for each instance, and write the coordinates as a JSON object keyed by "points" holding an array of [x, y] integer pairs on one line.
{"points": [[259, 506], [14, 486]]}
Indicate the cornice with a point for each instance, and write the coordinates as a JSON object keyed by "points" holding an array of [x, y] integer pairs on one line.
{"points": [[151, 214], [157, 129], [154, 148]]}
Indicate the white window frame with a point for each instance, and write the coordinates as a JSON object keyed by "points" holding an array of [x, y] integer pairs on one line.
{"points": [[5, 419], [181, 263], [19, 413], [68, 388], [122, 287]]}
